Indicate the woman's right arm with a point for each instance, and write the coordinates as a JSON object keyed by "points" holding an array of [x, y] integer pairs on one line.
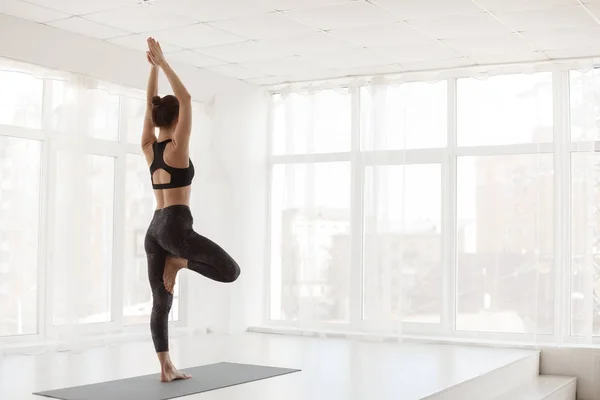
{"points": [[184, 124]]}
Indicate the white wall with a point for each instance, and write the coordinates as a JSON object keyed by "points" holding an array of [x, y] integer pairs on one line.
{"points": [[229, 203], [579, 362], [229, 191], [53, 48]]}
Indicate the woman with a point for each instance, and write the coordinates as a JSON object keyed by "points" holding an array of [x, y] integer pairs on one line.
{"points": [[171, 244]]}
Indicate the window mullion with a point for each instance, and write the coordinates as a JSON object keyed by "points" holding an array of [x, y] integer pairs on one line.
{"points": [[449, 217], [562, 190], [43, 277], [356, 219]]}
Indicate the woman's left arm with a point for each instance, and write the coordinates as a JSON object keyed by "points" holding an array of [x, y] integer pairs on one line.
{"points": [[148, 133]]}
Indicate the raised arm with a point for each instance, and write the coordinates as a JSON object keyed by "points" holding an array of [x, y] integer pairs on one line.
{"points": [[184, 124], [148, 132]]}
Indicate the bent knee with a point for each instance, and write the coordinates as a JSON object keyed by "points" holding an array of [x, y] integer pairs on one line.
{"points": [[233, 273]]}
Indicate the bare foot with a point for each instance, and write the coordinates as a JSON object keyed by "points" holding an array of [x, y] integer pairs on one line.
{"points": [[172, 267], [171, 373]]}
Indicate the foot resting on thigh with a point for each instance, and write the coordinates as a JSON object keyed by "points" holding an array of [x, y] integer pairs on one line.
{"points": [[170, 373], [172, 267]]}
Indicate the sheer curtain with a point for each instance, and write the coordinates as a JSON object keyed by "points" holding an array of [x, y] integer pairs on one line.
{"points": [[71, 175], [402, 128], [310, 201], [584, 201], [457, 204], [82, 216]]}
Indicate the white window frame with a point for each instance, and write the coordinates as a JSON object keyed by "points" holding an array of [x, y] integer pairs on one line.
{"points": [[561, 148], [119, 149]]}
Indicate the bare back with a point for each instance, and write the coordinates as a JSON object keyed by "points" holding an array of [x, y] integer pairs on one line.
{"points": [[176, 157]]}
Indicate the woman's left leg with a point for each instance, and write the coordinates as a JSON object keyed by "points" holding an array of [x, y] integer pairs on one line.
{"points": [[162, 300]]}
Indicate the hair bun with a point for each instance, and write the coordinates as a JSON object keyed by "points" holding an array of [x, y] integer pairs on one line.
{"points": [[156, 101]]}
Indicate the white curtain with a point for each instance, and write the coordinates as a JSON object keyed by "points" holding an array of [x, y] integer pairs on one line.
{"points": [[81, 223], [74, 205], [75, 202], [455, 204], [584, 199]]}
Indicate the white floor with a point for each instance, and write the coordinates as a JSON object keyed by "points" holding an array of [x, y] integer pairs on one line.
{"points": [[332, 369]]}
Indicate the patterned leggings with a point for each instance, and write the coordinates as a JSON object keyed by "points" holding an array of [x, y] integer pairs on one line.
{"points": [[171, 233]]}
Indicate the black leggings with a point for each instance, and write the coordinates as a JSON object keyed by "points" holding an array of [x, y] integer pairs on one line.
{"points": [[171, 233]]}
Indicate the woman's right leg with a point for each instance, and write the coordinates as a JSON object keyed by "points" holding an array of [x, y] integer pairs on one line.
{"points": [[207, 258], [203, 256]]}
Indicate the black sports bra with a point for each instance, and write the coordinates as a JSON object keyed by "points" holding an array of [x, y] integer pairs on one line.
{"points": [[180, 177]]}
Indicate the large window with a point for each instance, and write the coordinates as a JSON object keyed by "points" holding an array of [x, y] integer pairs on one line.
{"points": [[311, 226], [400, 117], [21, 100], [75, 203], [86, 287], [585, 202], [308, 124], [402, 243], [463, 207], [505, 243], [19, 229], [502, 110]]}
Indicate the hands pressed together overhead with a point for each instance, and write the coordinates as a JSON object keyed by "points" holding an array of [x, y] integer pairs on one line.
{"points": [[155, 54]]}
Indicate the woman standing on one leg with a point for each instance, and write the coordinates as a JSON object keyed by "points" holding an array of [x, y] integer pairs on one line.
{"points": [[171, 243]]}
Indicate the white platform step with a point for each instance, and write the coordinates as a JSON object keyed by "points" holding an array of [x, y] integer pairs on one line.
{"points": [[491, 381], [544, 387]]}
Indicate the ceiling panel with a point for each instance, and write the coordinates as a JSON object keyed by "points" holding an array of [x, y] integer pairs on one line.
{"points": [[427, 9], [437, 64], [80, 7], [139, 18], [493, 45], [246, 51], [88, 28], [546, 19], [195, 59], [594, 9], [393, 34], [195, 36], [30, 11], [342, 59], [590, 51], [212, 10], [514, 57], [237, 71], [266, 81], [415, 53], [285, 5], [462, 26], [523, 5], [304, 76], [560, 39], [318, 42], [371, 70], [263, 26], [283, 66], [340, 16], [269, 41], [139, 42]]}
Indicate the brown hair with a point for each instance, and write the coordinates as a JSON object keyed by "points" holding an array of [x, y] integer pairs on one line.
{"points": [[164, 110]]}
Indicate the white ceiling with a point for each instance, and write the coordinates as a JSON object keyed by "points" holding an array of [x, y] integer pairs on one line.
{"points": [[273, 41]]}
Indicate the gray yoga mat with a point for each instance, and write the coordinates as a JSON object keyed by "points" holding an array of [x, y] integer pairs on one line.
{"points": [[149, 387]]}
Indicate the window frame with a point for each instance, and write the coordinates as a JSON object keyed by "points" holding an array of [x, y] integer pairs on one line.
{"points": [[561, 147], [51, 141]]}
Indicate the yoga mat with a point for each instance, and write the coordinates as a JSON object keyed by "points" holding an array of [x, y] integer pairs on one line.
{"points": [[149, 387]]}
